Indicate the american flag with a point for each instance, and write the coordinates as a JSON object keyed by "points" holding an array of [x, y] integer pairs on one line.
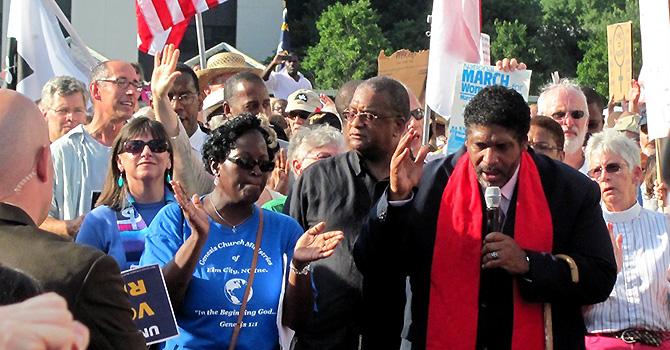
{"points": [[162, 22]]}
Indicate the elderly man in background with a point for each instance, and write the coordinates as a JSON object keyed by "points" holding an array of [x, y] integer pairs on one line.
{"points": [[88, 279], [546, 137], [565, 103], [312, 144], [63, 105], [81, 157], [637, 313]]}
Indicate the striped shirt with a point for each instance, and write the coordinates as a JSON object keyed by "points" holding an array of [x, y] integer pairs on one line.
{"points": [[640, 296]]}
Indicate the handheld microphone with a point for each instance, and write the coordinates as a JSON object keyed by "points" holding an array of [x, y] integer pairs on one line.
{"points": [[492, 197]]}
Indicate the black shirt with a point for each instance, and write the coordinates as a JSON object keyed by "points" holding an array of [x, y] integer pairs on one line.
{"points": [[339, 191]]}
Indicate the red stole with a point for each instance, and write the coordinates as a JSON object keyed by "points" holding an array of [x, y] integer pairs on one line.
{"points": [[454, 280]]}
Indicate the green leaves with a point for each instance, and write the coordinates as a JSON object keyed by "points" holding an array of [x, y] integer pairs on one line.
{"points": [[348, 46]]}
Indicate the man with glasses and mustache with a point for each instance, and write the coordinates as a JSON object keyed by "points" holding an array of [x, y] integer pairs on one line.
{"points": [[187, 102], [637, 313], [340, 190], [565, 103], [81, 157]]}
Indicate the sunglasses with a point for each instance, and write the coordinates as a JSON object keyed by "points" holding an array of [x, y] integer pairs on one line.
{"points": [[249, 164], [573, 114], [298, 114], [137, 146], [417, 113], [609, 168]]}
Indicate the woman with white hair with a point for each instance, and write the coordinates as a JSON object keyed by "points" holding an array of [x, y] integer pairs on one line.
{"points": [[638, 309]]}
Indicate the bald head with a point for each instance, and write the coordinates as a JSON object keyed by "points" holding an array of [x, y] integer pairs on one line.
{"points": [[25, 159]]}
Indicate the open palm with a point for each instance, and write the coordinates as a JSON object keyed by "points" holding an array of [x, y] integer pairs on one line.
{"points": [[315, 244]]}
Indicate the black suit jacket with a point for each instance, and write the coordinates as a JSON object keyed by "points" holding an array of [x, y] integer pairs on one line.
{"points": [[402, 238], [88, 279]]}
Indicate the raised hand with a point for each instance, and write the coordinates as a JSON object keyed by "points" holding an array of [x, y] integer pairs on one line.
{"points": [[406, 171], [634, 97], [164, 73], [279, 178], [193, 209], [315, 244], [617, 245]]}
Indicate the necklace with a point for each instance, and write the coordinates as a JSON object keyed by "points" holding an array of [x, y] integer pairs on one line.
{"points": [[232, 227]]}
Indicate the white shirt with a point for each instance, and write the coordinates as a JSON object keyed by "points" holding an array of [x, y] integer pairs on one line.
{"points": [[507, 191], [198, 139], [640, 296], [80, 166], [282, 84]]}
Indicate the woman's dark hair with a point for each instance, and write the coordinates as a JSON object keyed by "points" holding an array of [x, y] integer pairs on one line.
{"points": [[650, 176], [498, 105], [222, 139], [16, 286], [112, 195]]}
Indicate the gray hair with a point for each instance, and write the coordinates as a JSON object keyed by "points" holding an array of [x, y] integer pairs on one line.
{"points": [[61, 86], [612, 141], [563, 84], [309, 138], [100, 71]]}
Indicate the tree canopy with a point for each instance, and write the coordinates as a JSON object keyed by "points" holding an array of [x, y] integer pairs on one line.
{"points": [[568, 36]]}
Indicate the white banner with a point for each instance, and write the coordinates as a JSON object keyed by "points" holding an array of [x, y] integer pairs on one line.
{"points": [[655, 31]]}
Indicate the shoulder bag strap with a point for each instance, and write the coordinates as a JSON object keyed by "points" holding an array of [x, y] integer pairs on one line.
{"points": [[247, 290]]}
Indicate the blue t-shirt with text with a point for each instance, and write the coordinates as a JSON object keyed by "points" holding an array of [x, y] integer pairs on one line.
{"points": [[211, 305]]}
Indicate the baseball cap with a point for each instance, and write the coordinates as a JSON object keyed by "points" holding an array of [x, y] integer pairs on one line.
{"points": [[629, 122], [303, 100]]}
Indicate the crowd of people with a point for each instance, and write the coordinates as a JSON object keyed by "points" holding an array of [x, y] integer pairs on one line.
{"points": [[284, 218]]}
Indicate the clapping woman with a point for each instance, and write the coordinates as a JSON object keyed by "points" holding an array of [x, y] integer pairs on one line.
{"points": [[223, 257], [136, 188]]}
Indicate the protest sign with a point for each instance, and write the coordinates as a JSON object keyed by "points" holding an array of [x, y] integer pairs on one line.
{"points": [[620, 59], [485, 49], [655, 35], [406, 66], [150, 303], [470, 80]]}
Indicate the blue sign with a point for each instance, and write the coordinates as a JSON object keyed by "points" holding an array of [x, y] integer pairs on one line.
{"points": [[150, 303]]}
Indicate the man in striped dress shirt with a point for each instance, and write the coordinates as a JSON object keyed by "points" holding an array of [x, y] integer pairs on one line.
{"points": [[637, 313]]}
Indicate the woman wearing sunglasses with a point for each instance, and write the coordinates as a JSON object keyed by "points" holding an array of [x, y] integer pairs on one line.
{"points": [[136, 188], [226, 262]]}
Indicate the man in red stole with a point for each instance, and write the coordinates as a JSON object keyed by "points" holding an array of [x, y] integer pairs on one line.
{"points": [[474, 289]]}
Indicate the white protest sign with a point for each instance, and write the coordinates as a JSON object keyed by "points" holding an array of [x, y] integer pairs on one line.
{"points": [[655, 35], [485, 49], [470, 80]]}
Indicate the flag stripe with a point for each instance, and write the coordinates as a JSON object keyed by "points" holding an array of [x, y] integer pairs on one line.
{"points": [[200, 5], [187, 8], [148, 11], [175, 11], [212, 3], [164, 15]]}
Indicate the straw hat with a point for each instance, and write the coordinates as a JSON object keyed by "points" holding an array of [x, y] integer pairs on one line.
{"points": [[222, 63]]}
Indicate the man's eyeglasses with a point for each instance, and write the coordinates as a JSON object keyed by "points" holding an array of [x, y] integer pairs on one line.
{"points": [[609, 168], [298, 114], [123, 83], [64, 111], [417, 113], [137, 146], [542, 147], [184, 98], [574, 114], [250, 164], [363, 116]]}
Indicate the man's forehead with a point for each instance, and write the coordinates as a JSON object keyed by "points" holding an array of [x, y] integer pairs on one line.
{"points": [[562, 98], [184, 82], [121, 69], [367, 97]]}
